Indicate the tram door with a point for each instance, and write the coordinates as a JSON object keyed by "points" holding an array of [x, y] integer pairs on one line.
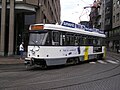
{"points": [[61, 39], [55, 38]]}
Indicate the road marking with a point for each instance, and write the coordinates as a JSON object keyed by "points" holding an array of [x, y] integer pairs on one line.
{"points": [[92, 62], [111, 61], [105, 62], [102, 62], [117, 61]]}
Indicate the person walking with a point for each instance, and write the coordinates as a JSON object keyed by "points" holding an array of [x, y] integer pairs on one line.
{"points": [[21, 49]]}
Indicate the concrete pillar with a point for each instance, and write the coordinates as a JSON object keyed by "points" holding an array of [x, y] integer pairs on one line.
{"points": [[11, 29], [2, 36]]}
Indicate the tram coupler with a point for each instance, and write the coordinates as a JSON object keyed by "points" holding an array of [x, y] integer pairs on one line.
{"points": [[29, 61]]}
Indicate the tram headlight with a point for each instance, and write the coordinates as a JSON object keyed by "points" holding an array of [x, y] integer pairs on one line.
{"points": [[33, 52], [37, 49]]}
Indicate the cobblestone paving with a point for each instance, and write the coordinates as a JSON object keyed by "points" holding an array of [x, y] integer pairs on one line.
{"points": [[99, 75]]}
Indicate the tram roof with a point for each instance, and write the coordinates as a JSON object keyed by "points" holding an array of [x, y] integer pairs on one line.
{"points": [[73, 30]]}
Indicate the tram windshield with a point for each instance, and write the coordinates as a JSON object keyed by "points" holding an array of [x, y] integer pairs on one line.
{"points": [[37, 38]]}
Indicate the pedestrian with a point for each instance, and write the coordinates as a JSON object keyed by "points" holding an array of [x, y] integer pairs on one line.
{"points": [[21, 50]]}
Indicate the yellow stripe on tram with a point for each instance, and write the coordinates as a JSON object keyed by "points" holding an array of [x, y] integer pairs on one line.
{"points": [[104, 53], [86, 53]]}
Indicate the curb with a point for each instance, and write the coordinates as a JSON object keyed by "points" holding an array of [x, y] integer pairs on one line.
{"points": [[6, 61]]}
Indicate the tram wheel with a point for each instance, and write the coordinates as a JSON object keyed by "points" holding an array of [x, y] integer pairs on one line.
{"points": [[43, 66], [28, 67], [76, 61], [73, 60]]}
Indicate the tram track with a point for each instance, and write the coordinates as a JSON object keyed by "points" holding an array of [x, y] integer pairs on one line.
{"points": [[107, 77], [69, 85], [72, 78], [83, 82]]}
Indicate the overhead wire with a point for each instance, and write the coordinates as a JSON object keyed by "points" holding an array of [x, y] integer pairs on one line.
{"points": [[82, 14], [85, 2]]}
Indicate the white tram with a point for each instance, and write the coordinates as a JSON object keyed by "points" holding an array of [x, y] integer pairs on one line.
{"points": [[51, 44]]}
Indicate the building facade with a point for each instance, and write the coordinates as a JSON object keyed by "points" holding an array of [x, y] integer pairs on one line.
{"points": [[112, 24], [102, 9], [17, 15], [95, 14], [106, 18], [114, 34]]}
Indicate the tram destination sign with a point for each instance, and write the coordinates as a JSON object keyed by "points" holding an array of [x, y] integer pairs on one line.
{"points": [[68, 24], [79, 26]]}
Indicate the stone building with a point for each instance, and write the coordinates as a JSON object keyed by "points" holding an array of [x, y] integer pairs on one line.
{"points": [[17, 15], [114, 34]]}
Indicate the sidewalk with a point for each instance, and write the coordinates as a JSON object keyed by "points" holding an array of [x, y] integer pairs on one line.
{"points": [[11, 60], [115, 54], [16, 59]]}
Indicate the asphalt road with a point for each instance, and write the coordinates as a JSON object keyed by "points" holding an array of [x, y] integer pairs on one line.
{"points": [[99, 75]]}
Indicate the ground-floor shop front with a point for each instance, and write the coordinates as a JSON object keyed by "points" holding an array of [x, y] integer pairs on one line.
{"points": [[14, 28], [113, 44]]}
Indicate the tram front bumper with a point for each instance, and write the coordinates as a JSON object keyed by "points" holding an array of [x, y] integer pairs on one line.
{"points": [[28, 61]]}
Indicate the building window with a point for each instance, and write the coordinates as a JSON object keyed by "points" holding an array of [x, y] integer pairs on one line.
{"points": [[107, 1], [107, 21], [113, 19], [114, 7], [117, 3], [107, 10], [117, 16]]}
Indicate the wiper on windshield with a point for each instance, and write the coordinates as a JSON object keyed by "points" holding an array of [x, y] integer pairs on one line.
{"points": [[35, 43]]}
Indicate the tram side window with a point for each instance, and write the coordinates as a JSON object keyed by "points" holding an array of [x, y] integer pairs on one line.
{"points": [[90, 40], [55, 38], [84, 40], [100, 41], [76, 40], [80, 41], [96, 41], [49, 39], [63, 39], [70, 40]]}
